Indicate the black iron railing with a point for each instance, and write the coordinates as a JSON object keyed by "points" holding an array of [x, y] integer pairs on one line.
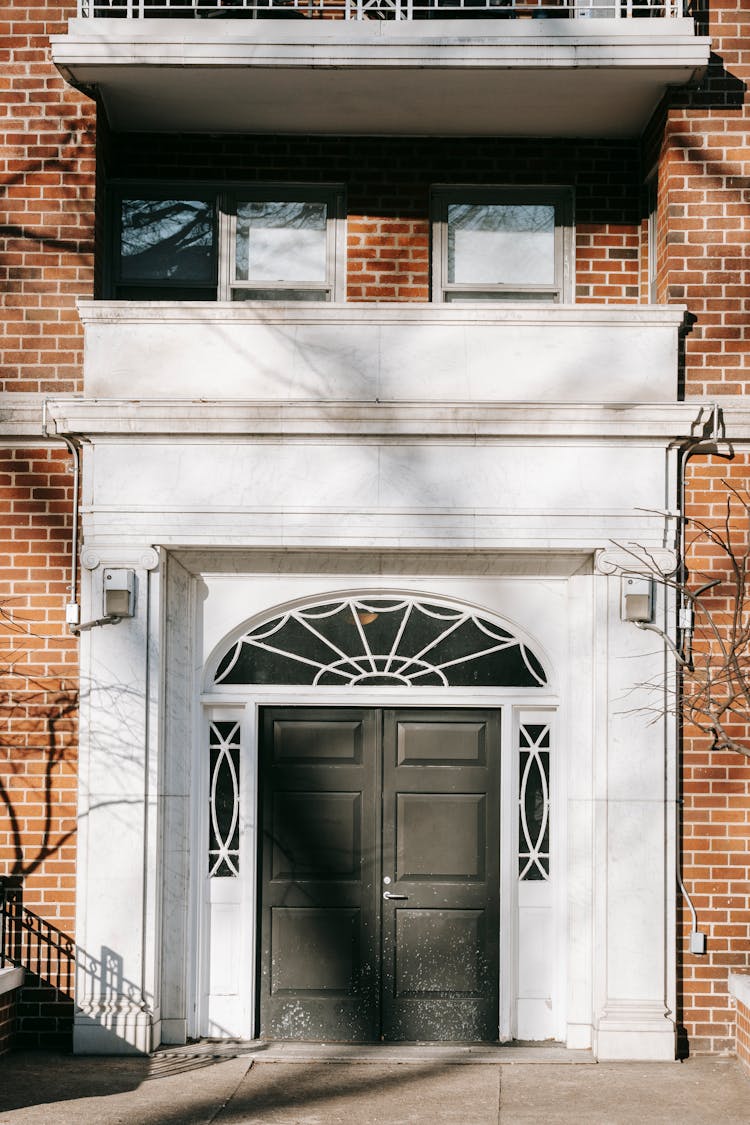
{"points": [[33, 943], [381, 9], [10, 930]]}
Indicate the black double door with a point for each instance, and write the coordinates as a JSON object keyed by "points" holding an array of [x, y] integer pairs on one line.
{"points": [[379, 875]]}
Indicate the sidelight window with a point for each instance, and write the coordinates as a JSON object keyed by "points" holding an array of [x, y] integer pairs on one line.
{"points": [[224, 800], [502, 244], [279, 242], [533, 801]]}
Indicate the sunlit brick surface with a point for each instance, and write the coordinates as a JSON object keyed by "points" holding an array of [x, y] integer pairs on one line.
{"points": [[38, 715], [716, 793]]}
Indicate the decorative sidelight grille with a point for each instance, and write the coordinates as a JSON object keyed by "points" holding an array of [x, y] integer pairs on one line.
{"points": [[533, 801], [224, 800], [372, 640]]}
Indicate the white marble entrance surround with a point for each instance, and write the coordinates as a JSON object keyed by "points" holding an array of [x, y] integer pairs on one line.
{"points": [[225, 515]]}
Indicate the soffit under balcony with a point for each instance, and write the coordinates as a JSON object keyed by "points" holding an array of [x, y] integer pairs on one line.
{"points": [[584, 78]]}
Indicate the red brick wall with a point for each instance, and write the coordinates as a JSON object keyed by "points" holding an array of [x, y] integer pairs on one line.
{"points": [[705, 209], [700, 141], [47, 175], [47, 171], [388, 186], [38, 663], [716, 794], [7, 1020]]}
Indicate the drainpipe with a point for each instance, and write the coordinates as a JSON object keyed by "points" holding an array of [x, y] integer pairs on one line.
{"points": [[709, 443]]}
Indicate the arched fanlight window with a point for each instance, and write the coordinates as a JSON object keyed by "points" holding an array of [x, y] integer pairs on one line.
{"points": [[371, 640]]}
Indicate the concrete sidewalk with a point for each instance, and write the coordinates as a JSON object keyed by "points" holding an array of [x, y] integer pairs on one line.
{"points": [[213, 1088]]}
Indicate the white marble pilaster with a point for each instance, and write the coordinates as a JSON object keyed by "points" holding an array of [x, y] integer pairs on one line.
{"points": [[116, 975]]}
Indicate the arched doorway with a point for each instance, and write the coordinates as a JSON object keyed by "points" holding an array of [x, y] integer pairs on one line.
{"points": [[380, 725]]}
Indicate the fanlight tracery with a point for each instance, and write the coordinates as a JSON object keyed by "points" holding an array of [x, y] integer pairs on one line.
{"points": [[380, 640]]}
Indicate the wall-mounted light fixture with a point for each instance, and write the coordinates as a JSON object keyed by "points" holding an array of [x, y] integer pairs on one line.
{"points": [[637, 604], [118, 601], [118, 592]]}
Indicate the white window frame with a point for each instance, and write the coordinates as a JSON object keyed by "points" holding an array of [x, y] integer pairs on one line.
{"points": [[225, 200], [560, 197], [331, 195]]}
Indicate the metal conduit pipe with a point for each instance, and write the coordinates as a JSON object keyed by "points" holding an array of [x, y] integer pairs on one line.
{"points": [[709, 443], [72, 609]]}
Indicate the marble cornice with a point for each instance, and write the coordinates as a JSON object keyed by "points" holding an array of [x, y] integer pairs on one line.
{"points": [[214, 419]]}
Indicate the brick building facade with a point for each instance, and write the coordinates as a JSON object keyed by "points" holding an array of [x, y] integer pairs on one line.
{"points": [[507, 477]]}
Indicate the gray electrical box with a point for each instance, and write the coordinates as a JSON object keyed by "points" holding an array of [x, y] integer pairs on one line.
{"points": [[119, 593]]}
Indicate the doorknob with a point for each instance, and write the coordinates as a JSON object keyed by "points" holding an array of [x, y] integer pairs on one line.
{"points": [[387, 894]]}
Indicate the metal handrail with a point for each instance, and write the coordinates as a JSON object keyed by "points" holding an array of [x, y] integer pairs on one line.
{"points": [[29, 941], [2, 926], [10, 908], [382, 9]]}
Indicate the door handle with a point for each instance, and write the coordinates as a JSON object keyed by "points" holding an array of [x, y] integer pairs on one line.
{"points": [[387, 895]]}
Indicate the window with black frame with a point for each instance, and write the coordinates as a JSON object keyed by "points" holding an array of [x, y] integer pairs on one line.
{"points": [[261, 243], [496, 243]]}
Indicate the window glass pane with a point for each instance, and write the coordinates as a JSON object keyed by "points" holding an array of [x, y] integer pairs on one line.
{"points": [[534, 802], [166, 240], [224, 800], [279, 294], [377, 640], [501, 244], [281, 241], [458, 295], [163, 292]]}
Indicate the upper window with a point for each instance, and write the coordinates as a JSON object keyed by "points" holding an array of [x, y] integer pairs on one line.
{"points": [[500, 243], [262, 243]]}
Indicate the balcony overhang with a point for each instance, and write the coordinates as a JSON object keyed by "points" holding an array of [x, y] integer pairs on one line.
{"points": [[441, 354], [577, 77]]}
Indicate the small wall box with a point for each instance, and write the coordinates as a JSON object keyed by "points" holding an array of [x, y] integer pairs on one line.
{"points": [[119, 593], [637, 598]]}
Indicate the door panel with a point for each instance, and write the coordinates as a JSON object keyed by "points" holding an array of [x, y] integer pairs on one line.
{"points": [[441, 802], [352, 799], [319, 906]]}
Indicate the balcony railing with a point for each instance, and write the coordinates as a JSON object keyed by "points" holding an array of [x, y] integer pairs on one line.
{"points": [[382, 9]]}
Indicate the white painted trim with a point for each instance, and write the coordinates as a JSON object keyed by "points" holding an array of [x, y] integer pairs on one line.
{"points": [[508, 874], [11, 978], [560, 197], [385, 312], [208, 421], [577, 43]]}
